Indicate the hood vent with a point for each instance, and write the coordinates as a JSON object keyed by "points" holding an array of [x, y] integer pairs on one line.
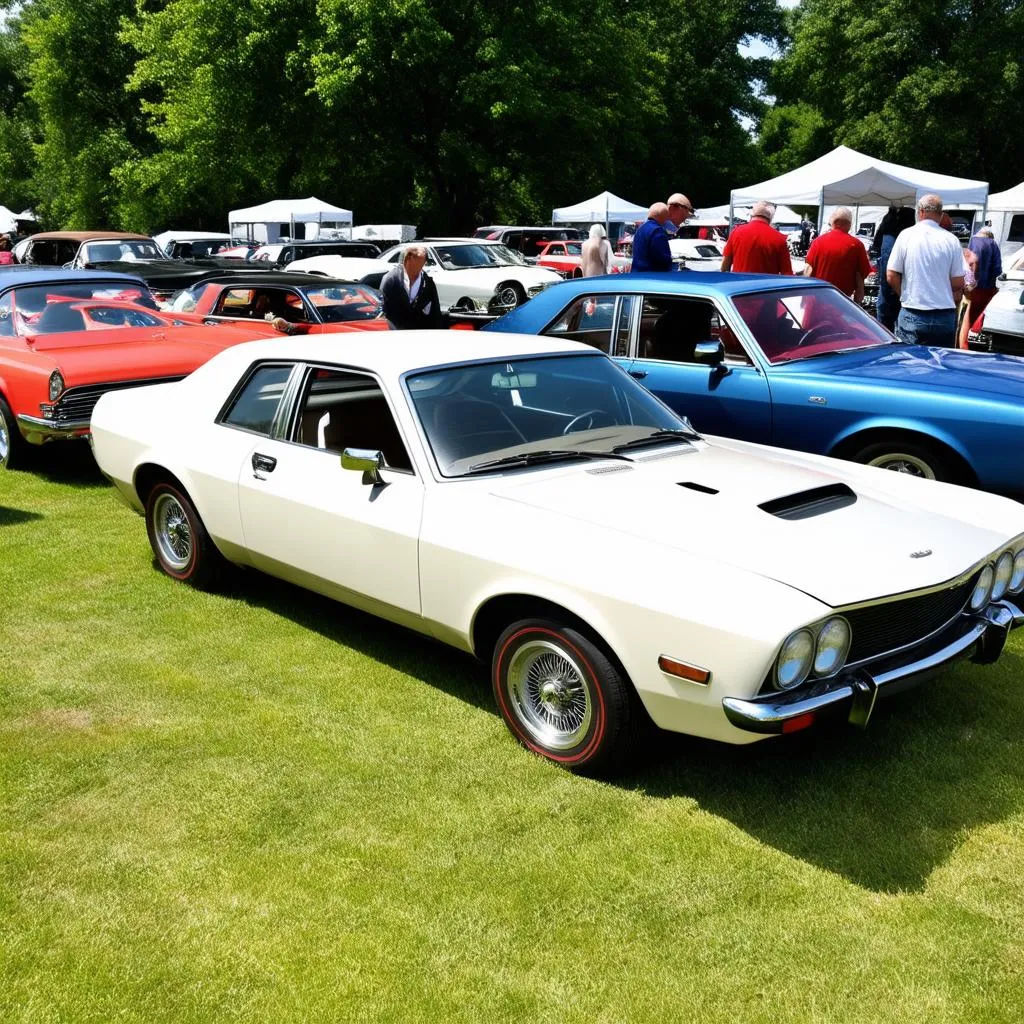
{"points": [[698, 487], [601, 470], [807, 504]]}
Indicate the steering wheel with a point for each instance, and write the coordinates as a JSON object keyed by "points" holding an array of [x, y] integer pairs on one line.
{"points": [[584, 417], [812, 331]]}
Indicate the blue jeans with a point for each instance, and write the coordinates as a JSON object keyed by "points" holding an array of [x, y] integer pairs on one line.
{"points": [[927, 327]]}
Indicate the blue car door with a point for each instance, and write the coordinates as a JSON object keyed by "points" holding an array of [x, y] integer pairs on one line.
{"points": [[732, 399]]}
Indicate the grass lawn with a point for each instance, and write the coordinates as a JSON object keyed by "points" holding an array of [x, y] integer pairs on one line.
{"points": [[265, 807]]}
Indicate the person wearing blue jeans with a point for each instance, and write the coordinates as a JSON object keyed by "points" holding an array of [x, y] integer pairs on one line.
{"points": [[926, 271]]}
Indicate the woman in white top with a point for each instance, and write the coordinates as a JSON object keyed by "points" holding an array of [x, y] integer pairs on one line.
{"points": [[596, 257]]}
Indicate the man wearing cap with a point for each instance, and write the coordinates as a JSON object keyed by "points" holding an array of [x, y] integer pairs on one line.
{"points": [[650, 243], [756, 247], [679, 210], [839, 258], [926, 271]]}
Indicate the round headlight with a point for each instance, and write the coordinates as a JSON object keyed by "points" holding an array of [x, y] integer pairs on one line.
{"points": [[982, 592], [1004, 573], [832, 647], [794, 661], [1017, 579], [56, 385]]}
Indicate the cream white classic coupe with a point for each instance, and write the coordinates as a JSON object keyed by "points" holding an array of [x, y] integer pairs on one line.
{"points": [[526, 500]]}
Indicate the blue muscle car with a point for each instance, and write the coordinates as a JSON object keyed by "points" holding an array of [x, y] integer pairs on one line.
{"points": [[791, 362]]}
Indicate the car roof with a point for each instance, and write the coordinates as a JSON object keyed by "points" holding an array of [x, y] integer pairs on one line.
{"points": [[88, 236], [392, 353], [263, 278], [55, 275], [705, 283]]}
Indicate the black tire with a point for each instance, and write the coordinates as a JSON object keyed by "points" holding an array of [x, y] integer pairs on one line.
{"points": [[914, 457], [13, 447], [179, 540], [577, 273], [562, 697]]}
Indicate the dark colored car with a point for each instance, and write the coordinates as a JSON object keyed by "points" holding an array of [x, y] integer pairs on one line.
{"points": [[280, 254], [528, 240]]}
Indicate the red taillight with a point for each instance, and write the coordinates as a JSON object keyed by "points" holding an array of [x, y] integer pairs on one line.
{"points": [[798, 723]]}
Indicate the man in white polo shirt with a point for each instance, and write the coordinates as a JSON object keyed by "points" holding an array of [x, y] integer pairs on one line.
{"points": [[926, 271]]}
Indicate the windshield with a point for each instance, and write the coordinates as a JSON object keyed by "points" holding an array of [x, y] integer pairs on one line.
{"points": [[345, 302], [557, 406], [45, 308], [802, 323], [121, 249], [459, 257]]}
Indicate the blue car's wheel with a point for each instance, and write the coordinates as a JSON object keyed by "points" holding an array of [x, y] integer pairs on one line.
{"points": [[907, 457]]}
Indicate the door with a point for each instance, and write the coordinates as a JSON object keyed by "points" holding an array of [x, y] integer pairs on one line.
{"points": [[731, 399], [308, 520]]}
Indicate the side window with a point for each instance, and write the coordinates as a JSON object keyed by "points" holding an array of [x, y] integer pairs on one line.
{"points": [[255, 405], [589, 319], [671, 328], [187, 300], [340, 410], [627, 314], [6, 322], [1016, 233], [234, 302]]}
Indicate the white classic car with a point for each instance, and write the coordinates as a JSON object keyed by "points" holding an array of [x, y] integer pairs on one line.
{"points": [[472, 274], [526, 500]]}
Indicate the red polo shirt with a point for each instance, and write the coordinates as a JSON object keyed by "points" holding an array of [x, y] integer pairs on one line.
{"points": [[837, 257], [757, 248]]}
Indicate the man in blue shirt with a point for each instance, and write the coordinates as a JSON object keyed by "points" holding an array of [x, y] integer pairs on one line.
{"points": [[650, 242]]}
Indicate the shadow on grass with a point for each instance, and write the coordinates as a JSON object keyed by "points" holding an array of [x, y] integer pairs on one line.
{"points": [[13, 516], [882, 808], [65, 462]]}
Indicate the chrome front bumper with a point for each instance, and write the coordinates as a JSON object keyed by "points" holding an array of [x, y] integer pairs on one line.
{"points": [[853, 695], [36, 430]]}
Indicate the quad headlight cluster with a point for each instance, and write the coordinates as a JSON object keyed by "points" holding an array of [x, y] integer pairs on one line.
{"points": [[1001, 577], [819, 650]]}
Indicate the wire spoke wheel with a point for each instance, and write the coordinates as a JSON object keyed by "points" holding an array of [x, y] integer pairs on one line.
{"points": [[549, 695], [173, 532], [904, 462], [5, 443]]}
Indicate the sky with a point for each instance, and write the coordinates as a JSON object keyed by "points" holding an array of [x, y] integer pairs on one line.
{"points": [[755, 47]]}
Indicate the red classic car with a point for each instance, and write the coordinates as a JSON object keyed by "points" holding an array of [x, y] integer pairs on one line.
{"points": [[310, 305], [561, 256], [68, 336]]}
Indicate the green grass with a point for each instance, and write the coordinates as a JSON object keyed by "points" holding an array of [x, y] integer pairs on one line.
{"points": [[265, 807]]}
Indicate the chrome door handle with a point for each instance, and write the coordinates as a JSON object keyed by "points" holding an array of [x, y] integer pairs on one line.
{"points": [[262, 464]]}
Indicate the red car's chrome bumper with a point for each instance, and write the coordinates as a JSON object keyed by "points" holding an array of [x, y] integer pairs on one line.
{"points": [[36, 430]]}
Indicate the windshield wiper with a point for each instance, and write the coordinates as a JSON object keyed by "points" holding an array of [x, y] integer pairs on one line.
{"points": [[547, 455], [658, 437]]}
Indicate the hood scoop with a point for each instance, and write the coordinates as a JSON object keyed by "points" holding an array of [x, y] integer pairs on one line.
{"points": [[806, 504], [694, 486]]}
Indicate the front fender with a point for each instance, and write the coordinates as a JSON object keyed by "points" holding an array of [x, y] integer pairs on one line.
{"points": [[846, 438]]}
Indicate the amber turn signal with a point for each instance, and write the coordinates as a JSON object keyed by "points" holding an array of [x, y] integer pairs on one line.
{"points": [[675, 667]]}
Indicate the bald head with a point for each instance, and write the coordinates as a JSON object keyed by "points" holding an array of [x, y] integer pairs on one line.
{"points": [[842, 219], [658, 212]]}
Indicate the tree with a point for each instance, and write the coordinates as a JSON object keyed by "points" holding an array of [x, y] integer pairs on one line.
{"points": [[935, 85]]}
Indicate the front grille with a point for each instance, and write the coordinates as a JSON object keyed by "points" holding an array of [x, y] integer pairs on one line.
{"points": [[880, 628], [77, 404]]}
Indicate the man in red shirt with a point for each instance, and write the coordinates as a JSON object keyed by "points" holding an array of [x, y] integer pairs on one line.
{"points": [[757, 248], [840, 258]]}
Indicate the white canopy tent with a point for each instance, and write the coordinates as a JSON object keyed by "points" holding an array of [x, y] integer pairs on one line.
{"points": [[601, 209], [286, 211], [845, 177], [8, 221], [1006, 209]]}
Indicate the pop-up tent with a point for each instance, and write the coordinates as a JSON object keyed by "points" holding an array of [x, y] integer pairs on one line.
{"points": [[845, 177], [602, 209], [274, 214], [1007, 210]]}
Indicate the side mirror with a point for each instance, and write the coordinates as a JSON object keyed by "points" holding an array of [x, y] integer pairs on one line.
{"points": [[710, 352], [366, 461]]}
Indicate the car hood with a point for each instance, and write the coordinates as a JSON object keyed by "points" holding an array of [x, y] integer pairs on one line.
{"points": [[920, 366], [177, 353], [876, 546], [1005, 313], [491, 277]]}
